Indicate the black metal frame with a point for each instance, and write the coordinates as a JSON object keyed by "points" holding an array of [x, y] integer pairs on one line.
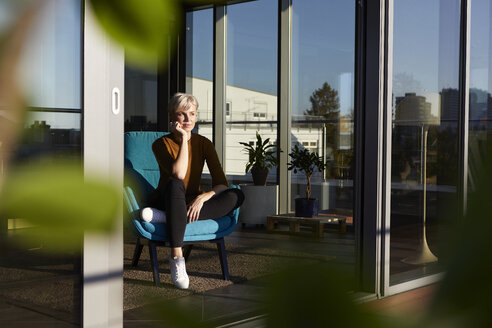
{"points": [[464, 107], [187, 250]]}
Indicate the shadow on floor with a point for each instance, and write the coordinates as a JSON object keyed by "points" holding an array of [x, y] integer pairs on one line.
{"points": [[242, 301]]}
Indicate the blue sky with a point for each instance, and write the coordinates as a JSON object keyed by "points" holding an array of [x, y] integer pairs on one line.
{"points": [[200, 28], [426, 45], [252, 45], [50, 69], [323, 48], [323, 39], [481, 45], [323, 51], [426, 41]]}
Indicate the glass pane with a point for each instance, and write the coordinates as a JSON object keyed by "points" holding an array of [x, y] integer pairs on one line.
{"points": [[323, 101], [199, 67], [424, 155], [251, 91], [480, 88], [140, 99], [51, 64], [38, 287], [51, 133]]}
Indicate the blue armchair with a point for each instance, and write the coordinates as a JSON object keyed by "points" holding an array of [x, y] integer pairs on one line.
{"points": [[141, 178]]}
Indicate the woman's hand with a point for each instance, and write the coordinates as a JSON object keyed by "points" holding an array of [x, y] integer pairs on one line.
{"points": [[196, 206], [180, 165], [175, 127]]}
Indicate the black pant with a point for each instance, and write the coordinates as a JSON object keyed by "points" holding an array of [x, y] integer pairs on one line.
{"points": [[172, 200]]}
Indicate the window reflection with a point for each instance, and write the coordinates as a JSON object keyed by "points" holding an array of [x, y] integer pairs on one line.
{"points": [[480, 88], [140, 99], [424, 155], [51, 63], [51, 133], [251, 90], [199, 67], [199, 73], [37, 286], [323, 98]]}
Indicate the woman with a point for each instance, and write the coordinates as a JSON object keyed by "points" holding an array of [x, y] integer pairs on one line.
{"points": [[181, 156]]}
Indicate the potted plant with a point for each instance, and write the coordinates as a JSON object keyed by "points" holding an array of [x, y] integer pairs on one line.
{"points": [[305, 161], [262, 157]]}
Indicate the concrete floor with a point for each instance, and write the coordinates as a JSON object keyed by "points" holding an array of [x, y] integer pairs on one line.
{"points": [[236, 305], [38, 290], [241, 305]]}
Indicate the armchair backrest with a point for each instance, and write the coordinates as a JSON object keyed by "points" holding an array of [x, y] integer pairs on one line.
{"points": [[141, 168], [142, 177]]}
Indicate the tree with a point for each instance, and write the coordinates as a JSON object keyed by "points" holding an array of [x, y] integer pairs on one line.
{"points": [[325, 102]]}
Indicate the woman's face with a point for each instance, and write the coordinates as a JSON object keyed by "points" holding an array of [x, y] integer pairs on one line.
{"points": [[186, 117]]}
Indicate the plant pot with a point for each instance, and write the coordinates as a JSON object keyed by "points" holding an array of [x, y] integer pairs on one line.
{"points": [[259, 176], [307, 208], [259, 203]]}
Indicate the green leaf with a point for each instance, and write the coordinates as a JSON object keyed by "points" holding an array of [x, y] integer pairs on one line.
{"points": [[143, 27], [313, 296], [15, 32], [259, 157], [463, 296], [248, 166], [170, 313], [59, 203]]}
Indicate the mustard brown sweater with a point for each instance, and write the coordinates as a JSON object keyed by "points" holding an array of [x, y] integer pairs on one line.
{"points": [[200, 150]]}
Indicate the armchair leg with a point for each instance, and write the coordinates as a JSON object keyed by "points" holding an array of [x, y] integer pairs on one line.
{"points": [[223, 258], [187, 251], [137, 252], [153, 262]]}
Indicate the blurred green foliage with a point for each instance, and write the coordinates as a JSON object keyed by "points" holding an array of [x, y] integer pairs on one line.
{"points": [[464, 298], [146, 28], [170, 314], [313, 296], [59, 203]]}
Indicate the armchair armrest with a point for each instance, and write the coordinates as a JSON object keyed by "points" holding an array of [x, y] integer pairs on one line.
{"points": [[130, 201]]}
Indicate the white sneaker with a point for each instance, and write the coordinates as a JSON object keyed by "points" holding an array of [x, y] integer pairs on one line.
{"points": [[178, 272]]}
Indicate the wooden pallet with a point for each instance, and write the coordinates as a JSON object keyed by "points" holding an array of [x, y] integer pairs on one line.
{"points": [[315, 224]]}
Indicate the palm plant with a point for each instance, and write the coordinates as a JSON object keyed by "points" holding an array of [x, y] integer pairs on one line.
{"points": [[261, 158]]}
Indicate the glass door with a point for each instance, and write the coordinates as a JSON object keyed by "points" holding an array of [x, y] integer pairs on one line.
{"points": [[480, 90], [199, 66], [37, 284], [423, 127], [323, 109], [251, 85]]}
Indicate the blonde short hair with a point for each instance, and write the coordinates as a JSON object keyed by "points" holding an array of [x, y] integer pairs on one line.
{"points": [[181, 100]]}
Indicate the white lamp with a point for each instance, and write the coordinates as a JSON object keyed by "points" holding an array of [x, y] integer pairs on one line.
{"points": [[413, 110]]}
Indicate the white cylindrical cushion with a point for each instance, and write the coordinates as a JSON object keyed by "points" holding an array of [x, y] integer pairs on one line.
{"points": [[153, 215]]}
